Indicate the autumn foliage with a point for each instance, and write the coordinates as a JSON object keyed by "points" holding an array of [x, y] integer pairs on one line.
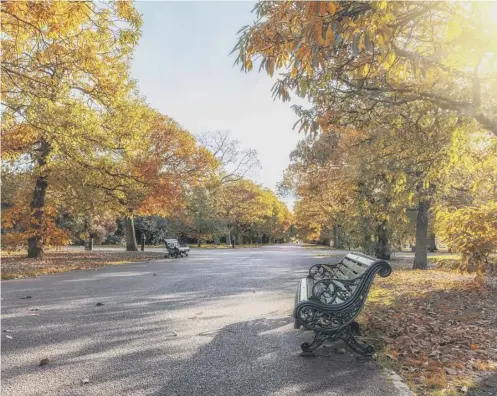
{"points": [[400, 108]]}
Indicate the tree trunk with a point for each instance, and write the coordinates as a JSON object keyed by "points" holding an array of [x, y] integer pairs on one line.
{"points": [[382, 250], [129, 226], [35, 242], [433, 243], [337, 240], [368, 246], [421, 252]]}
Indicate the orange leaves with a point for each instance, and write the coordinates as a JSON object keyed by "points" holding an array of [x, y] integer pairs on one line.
{"points": [[431, 345], [330, 37], [172, 163], [332, 7], [20, 225]]}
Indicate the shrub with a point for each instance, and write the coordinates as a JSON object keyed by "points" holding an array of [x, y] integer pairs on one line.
{"points": [[471, 231]]}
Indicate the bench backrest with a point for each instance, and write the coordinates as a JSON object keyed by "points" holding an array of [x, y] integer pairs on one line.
{"points": [[352, 274], [353, 265], [172, 244]]}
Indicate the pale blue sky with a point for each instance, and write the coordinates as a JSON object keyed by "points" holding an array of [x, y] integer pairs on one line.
{"points": [[184, 69]]}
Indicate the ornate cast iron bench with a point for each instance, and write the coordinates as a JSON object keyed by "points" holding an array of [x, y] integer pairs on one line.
{"points": [[175, 249], [332, 295]]}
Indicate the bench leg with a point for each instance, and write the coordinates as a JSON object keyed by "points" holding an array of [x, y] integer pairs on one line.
{"points": [[319, 338], [348, 336]]}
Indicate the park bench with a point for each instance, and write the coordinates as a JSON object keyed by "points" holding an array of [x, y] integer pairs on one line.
{"points": [[332, 295], [175, 249]]}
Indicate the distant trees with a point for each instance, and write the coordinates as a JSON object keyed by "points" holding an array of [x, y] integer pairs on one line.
{"points": [[227, 203]]}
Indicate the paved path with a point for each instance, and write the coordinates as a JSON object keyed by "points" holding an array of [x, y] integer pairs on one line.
{"points": [[215, 323]]}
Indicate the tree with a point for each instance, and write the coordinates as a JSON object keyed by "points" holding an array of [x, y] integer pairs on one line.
{"points": [[203, 212], [235, 163], [353, 59], [160, 168], [362, 183], [65, 67], [466, 208]]}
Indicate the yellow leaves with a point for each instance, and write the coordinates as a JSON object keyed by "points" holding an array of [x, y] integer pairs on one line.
{"points": [[294, 72], [330, 37], [382, 5], [470, 231], [389, 60], [363, 70], [454, 28], [248, 64]]}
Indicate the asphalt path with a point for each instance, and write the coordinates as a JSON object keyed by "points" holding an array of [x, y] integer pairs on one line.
{"points": [[215, 323]]}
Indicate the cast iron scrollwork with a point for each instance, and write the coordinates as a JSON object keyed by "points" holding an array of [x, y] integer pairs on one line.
{"points": [[323, 271]]}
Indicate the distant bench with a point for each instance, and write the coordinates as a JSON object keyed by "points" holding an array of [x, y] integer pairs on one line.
{"points": [[175, 249], [332, 295]]}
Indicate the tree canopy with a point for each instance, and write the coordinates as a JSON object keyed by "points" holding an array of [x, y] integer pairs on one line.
{"points": [[353, 59]]}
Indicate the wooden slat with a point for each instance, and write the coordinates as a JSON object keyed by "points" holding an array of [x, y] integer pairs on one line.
{"points": [[341, 275], [355, 267], [361, 259], [310, 284], [303, 290], [328, 267], [347, 272]]}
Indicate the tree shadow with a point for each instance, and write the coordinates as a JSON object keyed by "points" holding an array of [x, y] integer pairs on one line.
{"points": [[485, 386], [152, 331], [262, 357]]}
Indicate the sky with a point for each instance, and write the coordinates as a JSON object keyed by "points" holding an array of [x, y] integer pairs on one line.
{"points": [[184, 70]]}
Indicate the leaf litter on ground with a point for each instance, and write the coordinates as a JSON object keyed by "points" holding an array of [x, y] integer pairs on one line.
{"points": [[437, 329]]}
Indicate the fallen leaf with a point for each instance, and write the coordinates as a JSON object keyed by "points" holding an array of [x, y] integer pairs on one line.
{"points": [[25, 298], [99, 304], [43, 362]]}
